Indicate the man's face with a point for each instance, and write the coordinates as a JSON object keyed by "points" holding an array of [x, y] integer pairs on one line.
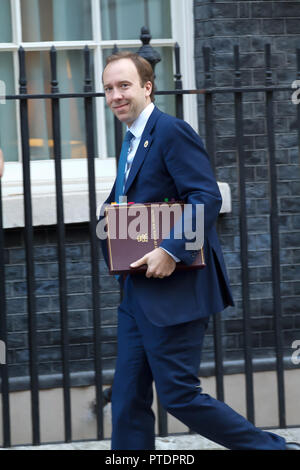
{"points": [[124, 93]]}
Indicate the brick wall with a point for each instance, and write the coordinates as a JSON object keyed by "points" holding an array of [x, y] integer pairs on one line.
{"points": [[220, 25], [79, 301]]}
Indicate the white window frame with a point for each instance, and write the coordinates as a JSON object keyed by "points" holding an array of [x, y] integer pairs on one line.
{"points": [[74, 171]]}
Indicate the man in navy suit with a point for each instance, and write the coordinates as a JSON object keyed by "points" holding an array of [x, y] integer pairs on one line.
{"points": [[164, 314]]}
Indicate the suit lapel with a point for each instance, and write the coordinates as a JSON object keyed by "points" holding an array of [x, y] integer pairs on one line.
{"points": [[143, 148]]}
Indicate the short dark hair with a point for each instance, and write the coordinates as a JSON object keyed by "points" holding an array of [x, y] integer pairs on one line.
{"points": [[143, 67]]}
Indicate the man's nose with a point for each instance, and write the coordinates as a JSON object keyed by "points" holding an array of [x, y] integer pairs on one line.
{"points": [[116, 94]]}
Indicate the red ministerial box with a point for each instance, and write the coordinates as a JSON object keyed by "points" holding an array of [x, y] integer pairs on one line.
{"points": [[135, 229]]}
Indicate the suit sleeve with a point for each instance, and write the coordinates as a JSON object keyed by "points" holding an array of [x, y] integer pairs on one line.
{"points": [[187, 162]]}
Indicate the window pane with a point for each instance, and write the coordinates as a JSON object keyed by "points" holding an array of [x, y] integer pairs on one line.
{"points": [[123, 19], [8, 122], [164, 81], [56, 20], [5, 21], [70, 70]]}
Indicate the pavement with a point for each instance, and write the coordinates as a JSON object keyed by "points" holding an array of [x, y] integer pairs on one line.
{"points": [[172, 442]]}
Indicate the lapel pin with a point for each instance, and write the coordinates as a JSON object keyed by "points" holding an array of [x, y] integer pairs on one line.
{"points": [[146, 143]]}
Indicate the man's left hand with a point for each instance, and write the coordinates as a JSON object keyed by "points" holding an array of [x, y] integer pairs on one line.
{"points": [[160, 263]]}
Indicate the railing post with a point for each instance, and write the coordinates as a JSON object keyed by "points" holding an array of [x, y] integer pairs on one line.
{"points": [[3, 337], [178, 83], [89, 125], [146, 50], [239, 131], [210, 145], [61, 246], [162, 419], [298, 105], [275, 244], [117, 128], [208, 108], [28, 233]]}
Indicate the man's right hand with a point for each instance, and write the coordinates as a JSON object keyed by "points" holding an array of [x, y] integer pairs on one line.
{"points": [[160, 263]]}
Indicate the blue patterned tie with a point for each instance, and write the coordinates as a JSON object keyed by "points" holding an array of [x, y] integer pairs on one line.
{"points": [[122, 165]]}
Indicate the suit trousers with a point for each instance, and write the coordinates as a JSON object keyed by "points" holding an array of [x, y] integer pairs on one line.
{"points": [[170, 356]]}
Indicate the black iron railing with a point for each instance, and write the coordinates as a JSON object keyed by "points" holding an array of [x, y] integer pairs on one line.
{"points": [[88, 95]]}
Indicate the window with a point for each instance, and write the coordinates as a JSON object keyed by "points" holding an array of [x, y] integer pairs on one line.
{"points": [[116, 18], [69, 25], [70, 78], [8, 117], [5, 22], [56, 20]]}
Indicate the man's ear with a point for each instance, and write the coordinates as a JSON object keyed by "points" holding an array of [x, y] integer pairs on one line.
{"points": [[148, 88]]}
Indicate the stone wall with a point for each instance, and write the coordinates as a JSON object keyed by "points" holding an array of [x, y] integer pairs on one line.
{"points": [[250, 25], [79, 302]]}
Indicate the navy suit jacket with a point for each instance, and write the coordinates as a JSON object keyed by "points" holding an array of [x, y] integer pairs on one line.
{"points": [[174, 164]]}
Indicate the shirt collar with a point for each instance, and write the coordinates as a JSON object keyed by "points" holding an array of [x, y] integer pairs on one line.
{"points": [[138, 126]]}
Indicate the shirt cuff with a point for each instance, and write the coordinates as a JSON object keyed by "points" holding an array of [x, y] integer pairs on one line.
{"points": [[172, 256]]}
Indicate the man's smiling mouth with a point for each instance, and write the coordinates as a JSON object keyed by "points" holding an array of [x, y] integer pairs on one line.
{"points": [[121, 106]]}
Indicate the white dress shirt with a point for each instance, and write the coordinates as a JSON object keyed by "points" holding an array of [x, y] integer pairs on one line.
{"points": [[137, 129]]}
